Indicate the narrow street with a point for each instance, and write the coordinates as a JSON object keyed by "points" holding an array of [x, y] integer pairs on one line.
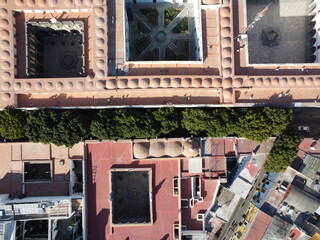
{"points": [[230, 227]]}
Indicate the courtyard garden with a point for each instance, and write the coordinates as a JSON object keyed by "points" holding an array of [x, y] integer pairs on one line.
{"points": [[151, 14], [170, 14], [182, 26], [160, 33]]}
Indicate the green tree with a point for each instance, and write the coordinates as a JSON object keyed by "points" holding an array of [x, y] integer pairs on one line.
{"points": [[167, 120], [12, 123], [254, 125], [223, 122], [41, 124], [104, 126], [135, 123], [124, 123], [279, 119], [58, 127], [283, 152], [72, 128], [196, 120]]}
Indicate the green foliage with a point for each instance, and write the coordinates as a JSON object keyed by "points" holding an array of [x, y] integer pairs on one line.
{"points": [[12, 123], [170, 14], [134, 123], [167, 120], [123, 123], [69, 127], [151, 14], [182, 26], [254, 125], [58, 127], [283, 152], [223, 122], [196, 120], [279, 119]]}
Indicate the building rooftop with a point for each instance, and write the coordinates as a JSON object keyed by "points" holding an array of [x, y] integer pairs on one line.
{"points": [[277, 229], [226, 203], [240, 187], [108, 155], [209, 190], [259, 226], [246, 146], [303, 201], [35, 169], [96, 68], [310, 166], [161, 148]]}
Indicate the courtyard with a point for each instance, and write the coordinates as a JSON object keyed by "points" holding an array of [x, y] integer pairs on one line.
{"points": [[162, 32], [283, 35], [55, 49], [130, 193]]}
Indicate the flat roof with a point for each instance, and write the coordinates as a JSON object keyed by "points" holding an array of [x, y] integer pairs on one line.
{"points": [[14, 157], [277, 229], [107, 155], [209, 190]]}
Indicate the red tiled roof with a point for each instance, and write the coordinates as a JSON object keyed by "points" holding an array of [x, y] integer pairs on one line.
{"points": [[246, 146], [189, 215], [229, 146], [217, 147], [259, 226], [102, 157], [215, 164]]}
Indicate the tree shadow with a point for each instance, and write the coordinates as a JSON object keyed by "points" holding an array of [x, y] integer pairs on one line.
{"points": [[165, 237], [157, 188]]}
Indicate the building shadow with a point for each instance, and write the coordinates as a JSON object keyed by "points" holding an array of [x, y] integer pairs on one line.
{"points": [[96, 223]]}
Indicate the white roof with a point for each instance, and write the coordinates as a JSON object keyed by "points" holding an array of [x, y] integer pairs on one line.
{"points": [[195, 165], [240, 187]]}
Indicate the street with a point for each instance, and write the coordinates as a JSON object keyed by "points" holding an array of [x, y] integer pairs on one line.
{"points": [[307, 117], [230, 227]]}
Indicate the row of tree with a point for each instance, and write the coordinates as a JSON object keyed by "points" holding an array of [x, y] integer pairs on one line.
{"points": [[67, 127]]}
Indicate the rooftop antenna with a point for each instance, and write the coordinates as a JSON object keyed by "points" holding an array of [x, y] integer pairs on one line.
{"points": [[242, 36]]}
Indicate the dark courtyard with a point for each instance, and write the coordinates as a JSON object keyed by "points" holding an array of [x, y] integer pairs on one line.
{"points": [[130, 193], [286, 22]]}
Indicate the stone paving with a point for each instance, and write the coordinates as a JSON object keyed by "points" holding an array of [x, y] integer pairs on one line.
{"points": [[162, 35], [290, 18]]}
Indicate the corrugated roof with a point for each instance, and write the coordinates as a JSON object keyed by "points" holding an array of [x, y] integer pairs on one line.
{"points": [[302, 200], [277, 229]]}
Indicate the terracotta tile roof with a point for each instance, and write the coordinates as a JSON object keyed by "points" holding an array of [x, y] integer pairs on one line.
{"points": [[106, 155], [259, 226], [215, 164]]}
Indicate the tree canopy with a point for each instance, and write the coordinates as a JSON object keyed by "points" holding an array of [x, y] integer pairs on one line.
{"points": [[283, 152], [12, 123], [133, 123], [256, 124], [67, 127], [58, 127]]}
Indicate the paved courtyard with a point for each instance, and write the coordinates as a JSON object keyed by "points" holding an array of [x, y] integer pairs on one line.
{"points": [[290, 20], [160, 39]]}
